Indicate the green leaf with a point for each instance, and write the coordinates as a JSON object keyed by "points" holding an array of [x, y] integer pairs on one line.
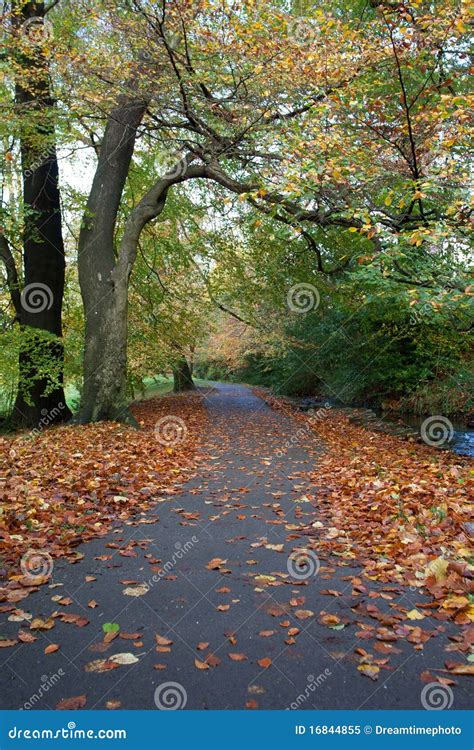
{"points": [[111, 627]]}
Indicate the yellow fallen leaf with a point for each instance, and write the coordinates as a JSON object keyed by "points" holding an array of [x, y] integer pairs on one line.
{"points": [[413, 614]]}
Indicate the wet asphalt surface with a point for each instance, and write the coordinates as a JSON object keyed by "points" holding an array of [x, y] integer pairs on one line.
{"points": [[250, 490]]}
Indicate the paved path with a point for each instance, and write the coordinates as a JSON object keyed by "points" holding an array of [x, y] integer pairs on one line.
{"points": [[244, 495]]}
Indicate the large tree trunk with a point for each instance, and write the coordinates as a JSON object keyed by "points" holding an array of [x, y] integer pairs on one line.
{"points": [[40, 395], [104, 283], [182, 376]]}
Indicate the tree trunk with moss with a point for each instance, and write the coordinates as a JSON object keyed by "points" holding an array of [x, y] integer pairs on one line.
{"points": [[102, 277], [182, 376]]}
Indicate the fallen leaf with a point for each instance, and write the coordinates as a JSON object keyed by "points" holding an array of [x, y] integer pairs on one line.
{"points": [[303, 614], [201, 664], [122, 659], [136, 591], [72, 704], [51, 648]]}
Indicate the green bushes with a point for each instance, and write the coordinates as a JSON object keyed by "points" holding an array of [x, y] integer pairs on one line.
{"points": [[366, 351]]}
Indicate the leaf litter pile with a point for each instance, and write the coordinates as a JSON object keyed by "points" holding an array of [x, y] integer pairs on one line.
{"points": [[71, 483], [398, 511], [402, 511]]}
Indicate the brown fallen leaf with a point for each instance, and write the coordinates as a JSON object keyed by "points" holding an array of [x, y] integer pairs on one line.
{"points": [[329, 620], [212, 660], [113, 705], [237, 657], [25, 637], [265, 662], [200, 664], [101, 665], [162, 641], [160, 666], [72, 704], [72, 619], [5, 643], [202, 646], [267, 633], [369, 670], [459, 668], [52, 648], [223, 607], [303, 614], [109, 637], [38, 624]]}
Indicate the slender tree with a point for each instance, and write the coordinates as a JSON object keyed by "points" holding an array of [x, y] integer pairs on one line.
{"points": [[38, 311]]}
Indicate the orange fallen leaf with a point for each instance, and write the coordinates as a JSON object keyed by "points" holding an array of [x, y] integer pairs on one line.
{"points": [[162, 641], [303, 614], [51, 648], [201, 664], [72, 704]]}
